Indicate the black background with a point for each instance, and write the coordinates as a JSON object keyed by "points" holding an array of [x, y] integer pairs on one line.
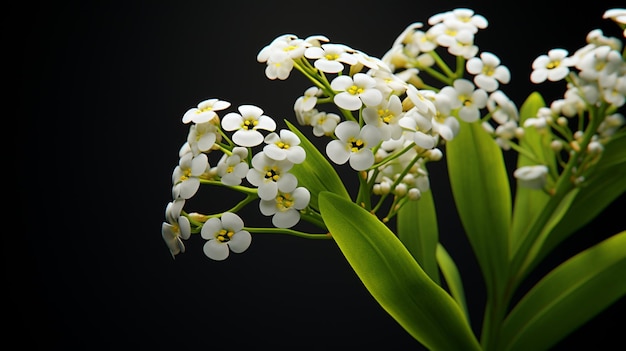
{"points": [[102, 87]]}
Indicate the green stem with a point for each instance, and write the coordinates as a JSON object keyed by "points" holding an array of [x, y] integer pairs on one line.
{"points": [[286, 231]]}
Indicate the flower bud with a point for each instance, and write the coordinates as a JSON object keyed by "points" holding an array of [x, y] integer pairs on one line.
{"points": [[534, 177]]}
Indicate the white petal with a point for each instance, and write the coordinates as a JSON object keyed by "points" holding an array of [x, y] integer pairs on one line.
{"points": [[250, 111], [232, 121], [328, 66], [348, 101], [362, 160], [266, 123], [286, 219], [296, 154], [274, 152], [371, 97], [215, 250], [346, 130], [210, 227], [232, 221], [247, 138], [268, 207], [268, 190], [302, 197], [287, 182], [337, 151], [240, 242], [423, 140], [188, 188]]}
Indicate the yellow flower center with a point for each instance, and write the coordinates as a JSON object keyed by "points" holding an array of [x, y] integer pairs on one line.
{"points": [[356, 144], [354, 90], [224, 235], [284, 201], [282, 145], [249, 123], [272, 174]]}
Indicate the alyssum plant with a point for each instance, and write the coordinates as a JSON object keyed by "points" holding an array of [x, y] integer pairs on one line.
{"points": [[387, 118]]}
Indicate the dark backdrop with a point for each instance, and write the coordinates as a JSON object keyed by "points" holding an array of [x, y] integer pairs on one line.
{"points": [[102, 87]]}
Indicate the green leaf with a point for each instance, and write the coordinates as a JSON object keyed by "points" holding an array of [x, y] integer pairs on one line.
{"points": [[316, 173], [418, 231], [480, 186], [530, 202], [569, 296], [453, 278], [394, 278]]}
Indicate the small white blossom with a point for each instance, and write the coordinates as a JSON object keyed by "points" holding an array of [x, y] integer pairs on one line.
{"points": [[176, 227], [466, 99], [330, 58], [223, 235], [488, 71], [355, 91], [385, 117], [271, 176], [186, 175], [618, 16], [354, 144], [202, 136], [324, 123], [247, 124], [284, 146], [232, 169], [554, 66], [285, 207], [205, 111]]}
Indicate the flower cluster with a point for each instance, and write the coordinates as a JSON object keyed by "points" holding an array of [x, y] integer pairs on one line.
{"points": [[387, 118]]}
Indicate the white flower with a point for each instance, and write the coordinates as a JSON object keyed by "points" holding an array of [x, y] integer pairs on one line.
{"points": [[488, 71], [324, 123], [385, 117], [286, 146], [307, 101], [599, 64], [416, 127], [223, 234], [202, 136], [186, 175], [502, 108], [534, 177], [617, 15], [271, 176], [355, 91], [285, 207], [246, 124], [286, 44], [464, 97], [176, 227], [329, 58], [205, 111], [279, 65], [554, 66], [464, 17], [232, 169], [354, 144], [420, 99], [444, 124]]}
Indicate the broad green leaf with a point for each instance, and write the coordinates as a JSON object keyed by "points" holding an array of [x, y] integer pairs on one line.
{"points": [[316, 173], [453, 278], [529, 203], [418, 231], [395, 280], [567, 297], [480, 186]]}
